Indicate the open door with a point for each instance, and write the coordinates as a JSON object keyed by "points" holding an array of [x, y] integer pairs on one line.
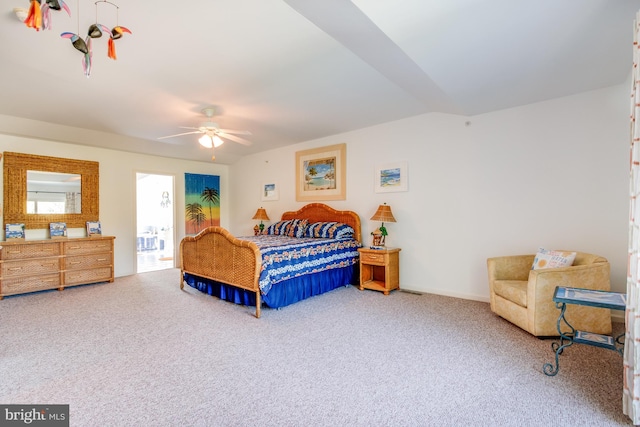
{"points": [[155, 222]]}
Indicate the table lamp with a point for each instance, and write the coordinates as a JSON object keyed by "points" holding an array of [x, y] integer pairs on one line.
{"points": [[382, 214], [261, 214]]}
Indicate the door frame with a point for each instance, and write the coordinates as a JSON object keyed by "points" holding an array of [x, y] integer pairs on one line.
{"points": [[135, 215]]}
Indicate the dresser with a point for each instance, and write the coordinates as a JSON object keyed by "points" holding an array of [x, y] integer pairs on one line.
{"points": [[37, 265]]}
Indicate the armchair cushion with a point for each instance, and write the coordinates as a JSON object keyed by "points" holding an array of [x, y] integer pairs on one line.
{"points": [[512, 290], [552, 259]]}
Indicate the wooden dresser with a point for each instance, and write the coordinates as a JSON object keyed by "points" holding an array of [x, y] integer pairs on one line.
{"points": [[37, 265]]}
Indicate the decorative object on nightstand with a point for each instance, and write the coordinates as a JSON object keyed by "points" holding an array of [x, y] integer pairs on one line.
{"points": [[382, 214], [261, 214], [379, 269]]}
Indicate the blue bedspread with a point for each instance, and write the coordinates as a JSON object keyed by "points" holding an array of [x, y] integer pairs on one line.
{"points": [[285, 258]]}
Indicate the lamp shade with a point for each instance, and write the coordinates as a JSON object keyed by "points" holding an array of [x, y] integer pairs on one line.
{"points": [[206, 141], [383, 214], [261, 214], [217, 141]]}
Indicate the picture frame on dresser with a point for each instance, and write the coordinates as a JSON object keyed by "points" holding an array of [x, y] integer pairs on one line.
{"points": [[94, 228], [14, 231], [58, 230]]}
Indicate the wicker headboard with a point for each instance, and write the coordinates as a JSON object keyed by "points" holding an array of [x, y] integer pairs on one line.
{"points": [[316, 212]]}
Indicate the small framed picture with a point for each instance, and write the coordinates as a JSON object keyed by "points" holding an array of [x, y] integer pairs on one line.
{"points": [[94, 228], [391, 177], [58, 230], [269, 191], [14, 231]]}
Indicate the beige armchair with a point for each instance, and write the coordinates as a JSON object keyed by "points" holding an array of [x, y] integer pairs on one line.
{"points": [[525, 297]]}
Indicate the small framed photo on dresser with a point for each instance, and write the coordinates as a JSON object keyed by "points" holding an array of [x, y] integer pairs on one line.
{"points": [[14, 231], [94, 228], [58, 230]]}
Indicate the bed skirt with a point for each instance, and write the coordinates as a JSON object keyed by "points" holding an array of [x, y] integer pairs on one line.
{"points": [[281, 294]]}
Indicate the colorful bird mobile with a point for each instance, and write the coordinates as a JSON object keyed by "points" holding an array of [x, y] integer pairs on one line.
{"points": [[39, 17]]}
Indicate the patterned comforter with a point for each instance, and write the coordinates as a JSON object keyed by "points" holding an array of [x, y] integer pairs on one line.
{"points": [[284, 257]]}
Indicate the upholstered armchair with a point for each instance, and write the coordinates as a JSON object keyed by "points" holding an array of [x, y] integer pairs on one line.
{"points": [[524, 296]]}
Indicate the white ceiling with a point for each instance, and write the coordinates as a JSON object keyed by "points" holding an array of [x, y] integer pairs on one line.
{"points": [[296, 70]]}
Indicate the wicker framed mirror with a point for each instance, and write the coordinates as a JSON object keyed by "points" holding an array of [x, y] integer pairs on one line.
{"points": [[16, 166]]}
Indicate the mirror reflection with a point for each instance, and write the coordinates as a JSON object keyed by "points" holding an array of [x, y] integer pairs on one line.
{"points": [[53, 193]]}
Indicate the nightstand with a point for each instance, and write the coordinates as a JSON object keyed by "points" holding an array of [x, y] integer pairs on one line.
{"points": [[379, 269]]}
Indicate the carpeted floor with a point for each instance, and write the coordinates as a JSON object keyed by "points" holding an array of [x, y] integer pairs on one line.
{"points": [[141, 352]]}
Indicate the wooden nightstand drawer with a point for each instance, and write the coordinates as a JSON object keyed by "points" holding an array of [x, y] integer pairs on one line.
{"points": [[372, 258]]}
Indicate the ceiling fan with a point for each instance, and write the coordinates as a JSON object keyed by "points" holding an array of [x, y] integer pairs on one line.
{"points": [[211, 133]]}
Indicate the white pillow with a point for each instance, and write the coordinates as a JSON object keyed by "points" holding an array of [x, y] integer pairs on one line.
{"points": [[552, 259]]}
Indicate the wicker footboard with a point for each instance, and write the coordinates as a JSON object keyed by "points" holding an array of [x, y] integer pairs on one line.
{"points": [[216, 254]]}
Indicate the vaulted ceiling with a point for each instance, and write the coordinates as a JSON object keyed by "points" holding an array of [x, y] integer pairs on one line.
{"points": [[290, 71]]}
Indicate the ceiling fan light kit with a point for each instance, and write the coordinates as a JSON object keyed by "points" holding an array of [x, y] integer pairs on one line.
{"points": [[205, 141], [211, 134]]}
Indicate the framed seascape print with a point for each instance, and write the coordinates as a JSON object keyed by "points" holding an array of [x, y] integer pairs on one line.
{"points": [[321, 173], [94, 228], [58, 230], [391, 177], [269, 191], [14, 231]]}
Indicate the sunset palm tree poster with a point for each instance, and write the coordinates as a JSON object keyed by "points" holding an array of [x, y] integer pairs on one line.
{"points": [[202, 202]]}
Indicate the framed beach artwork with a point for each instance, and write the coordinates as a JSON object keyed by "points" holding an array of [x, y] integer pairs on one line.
{"points": [[391, 177], [321, 173], [269, 191], [202, 202]]}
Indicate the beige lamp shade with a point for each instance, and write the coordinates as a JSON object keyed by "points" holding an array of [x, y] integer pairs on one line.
{"points": [[261, 214], [383, 214]]}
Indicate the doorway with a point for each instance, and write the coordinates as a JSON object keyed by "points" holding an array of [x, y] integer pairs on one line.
{"points": [[155, 222]]}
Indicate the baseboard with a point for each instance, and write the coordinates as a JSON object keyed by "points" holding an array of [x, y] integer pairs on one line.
{"points": [[616, 315], [446, 294]]}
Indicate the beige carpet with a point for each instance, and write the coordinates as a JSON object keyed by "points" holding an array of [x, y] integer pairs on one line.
{"points": [[141, 352]]}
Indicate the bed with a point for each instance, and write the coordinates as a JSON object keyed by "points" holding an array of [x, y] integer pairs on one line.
{"points": [[308, 252]]}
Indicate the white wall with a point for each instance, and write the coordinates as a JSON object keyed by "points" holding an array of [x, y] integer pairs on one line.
{"points": [[118, 186], [552, 174]]}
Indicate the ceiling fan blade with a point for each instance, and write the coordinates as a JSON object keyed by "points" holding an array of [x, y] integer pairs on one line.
{"points": [[179, 134], [237, 132], [234, 138], [188, 127]]}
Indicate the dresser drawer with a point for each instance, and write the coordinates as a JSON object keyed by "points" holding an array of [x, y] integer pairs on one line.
{"points": [[87, 247], [87, 261], [29, 284], [372, 258], [75, 277], [30, 267], [30, 250]]}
